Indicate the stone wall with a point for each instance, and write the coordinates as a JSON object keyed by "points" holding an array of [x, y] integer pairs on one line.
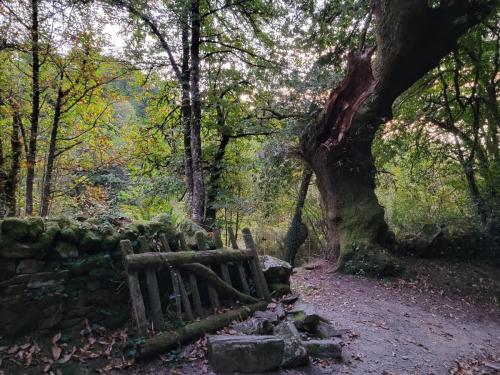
{"points": [[55, 274]]}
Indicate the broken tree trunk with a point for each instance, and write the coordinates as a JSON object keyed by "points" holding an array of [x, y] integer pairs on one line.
{"points": [[169, 340], [411, 39]]}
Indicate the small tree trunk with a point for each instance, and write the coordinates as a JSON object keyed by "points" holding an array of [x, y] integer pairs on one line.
{"points": [[35, 111], [214, 181], [186, 111], [198, 200], [3, 180], [51, 157], [295, 236], [12, 180]]}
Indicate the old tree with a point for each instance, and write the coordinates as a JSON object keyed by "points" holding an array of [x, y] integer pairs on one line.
{"points": [[411, 38]]}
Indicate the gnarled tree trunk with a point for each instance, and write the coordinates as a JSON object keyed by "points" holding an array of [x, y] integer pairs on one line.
{"points": [[411, 39]]}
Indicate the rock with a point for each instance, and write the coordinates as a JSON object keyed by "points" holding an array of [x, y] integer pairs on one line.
{"points": [[324, 348], [65, 250], [91, 241], [279, 290], [290, 299], [254, 326], [47, 279], [25, 230], [7, 269], [326, 330], [70, 234], [189, 229], [295, 354], [275, 270], [12, 249], [305, 322], [269, 315], [30, 266], [245, 354]]}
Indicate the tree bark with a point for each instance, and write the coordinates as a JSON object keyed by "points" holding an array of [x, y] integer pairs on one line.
{"points": [[51, 157], [411, 39], [12, 177], [198, 200], [186, 110], [214, 181], [295, 236], [35, 111]]}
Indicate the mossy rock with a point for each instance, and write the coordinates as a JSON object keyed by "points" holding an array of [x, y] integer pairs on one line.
{"points": [[48, 237], [70, 234], [12, 249], [280, 290], [91, 241], [64, 250], [25, 230], [189, 228], [367, 259], [110, 242]]}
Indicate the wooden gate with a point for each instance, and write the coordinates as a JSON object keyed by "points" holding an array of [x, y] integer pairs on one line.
{"points": [[201, 283]]}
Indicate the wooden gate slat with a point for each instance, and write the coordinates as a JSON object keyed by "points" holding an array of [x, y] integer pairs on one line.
{"points": [[243, 279], [138, 309], [218, 239], [255, 266], [232, 238], [184, 297], [182, 241], [173, 278], [212, 293], [195, 293], [225, 273], [153, 291]]}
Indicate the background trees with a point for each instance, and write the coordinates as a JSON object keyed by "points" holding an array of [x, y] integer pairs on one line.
{"points": [[197, 107]]}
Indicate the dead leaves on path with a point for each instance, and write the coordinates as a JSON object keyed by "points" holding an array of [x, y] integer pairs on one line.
{"points": [[98, 343], [488, 366]]}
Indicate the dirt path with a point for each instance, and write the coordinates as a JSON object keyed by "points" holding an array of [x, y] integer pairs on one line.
{"points": [[396, 328]]}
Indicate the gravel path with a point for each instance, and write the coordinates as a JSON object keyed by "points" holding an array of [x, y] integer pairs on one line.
{"points": [[399, 330]]}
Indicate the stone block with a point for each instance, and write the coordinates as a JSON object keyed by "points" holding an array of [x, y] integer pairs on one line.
{"points": [[245, 354], [324, 348], [29, 266], [295, 354]]}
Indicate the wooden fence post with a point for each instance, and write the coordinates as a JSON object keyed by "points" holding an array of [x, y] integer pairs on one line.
{"points": [[138, 309], [153, 291], [259, 277], [173, 278]]}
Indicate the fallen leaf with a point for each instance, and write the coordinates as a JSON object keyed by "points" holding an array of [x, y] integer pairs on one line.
{"points": [[56, 352], [56, 338]]}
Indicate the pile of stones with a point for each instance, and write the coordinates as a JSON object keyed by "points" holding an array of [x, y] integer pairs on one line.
{"points": [[276, 338]]}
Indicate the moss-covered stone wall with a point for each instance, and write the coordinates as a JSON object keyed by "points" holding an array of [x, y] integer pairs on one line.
{"points": [[56, 273]]}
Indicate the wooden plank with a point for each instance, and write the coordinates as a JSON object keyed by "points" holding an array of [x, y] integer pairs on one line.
{"points": [[218, 239], [182, 241], [138, 309], [195, 294], [225, 273], [255, 264], [201, 241], [243, 278], [153, 291], [185, 298], [173, 278], [212, 293], [160, 260], [232, 238], [169, 340]]}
